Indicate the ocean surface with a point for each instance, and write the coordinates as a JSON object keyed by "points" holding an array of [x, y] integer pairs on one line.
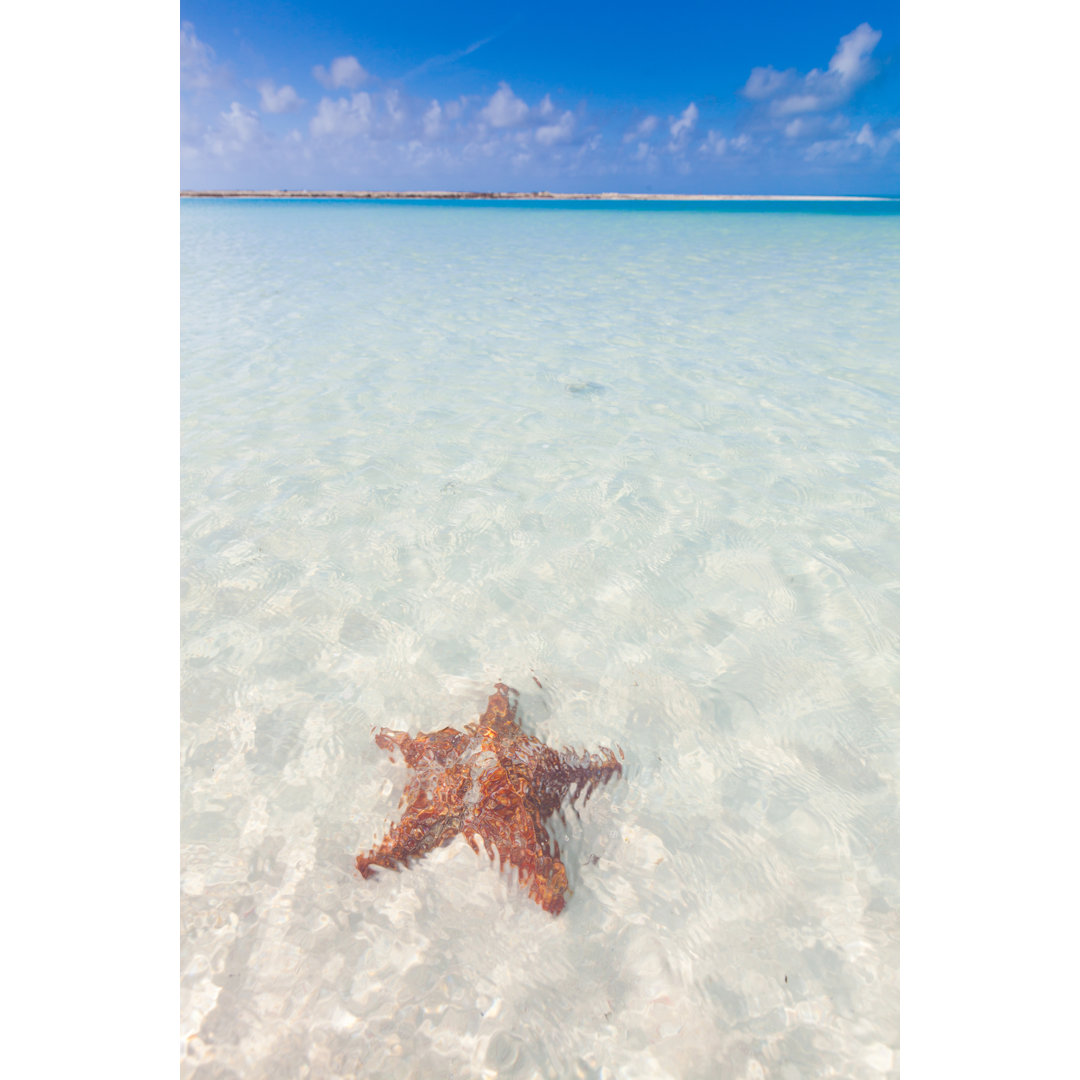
{"points": [[639, 461]]}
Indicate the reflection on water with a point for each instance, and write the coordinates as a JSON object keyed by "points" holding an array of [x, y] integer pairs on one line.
{"points": [[649, 459]]}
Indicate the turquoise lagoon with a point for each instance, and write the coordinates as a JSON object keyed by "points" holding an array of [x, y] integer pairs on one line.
{"points": [[645, 455]]}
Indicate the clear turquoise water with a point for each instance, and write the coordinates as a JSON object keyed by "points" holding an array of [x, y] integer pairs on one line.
{"points": [[645, 453]]}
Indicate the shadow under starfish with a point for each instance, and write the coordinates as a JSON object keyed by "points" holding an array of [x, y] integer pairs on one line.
{"points": [[494, 782]]}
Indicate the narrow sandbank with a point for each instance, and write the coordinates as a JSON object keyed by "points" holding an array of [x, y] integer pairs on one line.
{"points": [[526, 195]]}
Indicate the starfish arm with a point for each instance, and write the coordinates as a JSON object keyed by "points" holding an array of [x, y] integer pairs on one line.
{"points": [[421, 829], [551, 776], [432, 818], [510, 819], [580, 774], [522, 840], [499, 720], [390, 741], [437, 747]]}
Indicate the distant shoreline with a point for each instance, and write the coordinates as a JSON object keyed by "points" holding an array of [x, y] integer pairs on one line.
{"points": [[538, 196]]}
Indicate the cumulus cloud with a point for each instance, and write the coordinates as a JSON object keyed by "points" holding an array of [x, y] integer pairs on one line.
{"points": [[394, 109], [433, 120], [717, 145], [851, 61], [687, 119], [789, 94], [681, 127], [235, 132], [557, 132], [853, 146], [198, 68], [343, 118], [643, 130], [240, 122], [714, 143], [277, 100], [505, 108], [793, 116], [765, 82], [345, 73]]}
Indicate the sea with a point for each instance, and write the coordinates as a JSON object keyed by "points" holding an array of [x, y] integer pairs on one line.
{"points": [[638, 461]]}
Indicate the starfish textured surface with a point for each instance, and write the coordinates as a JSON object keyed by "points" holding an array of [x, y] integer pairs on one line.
{"points": [[494, 782]]}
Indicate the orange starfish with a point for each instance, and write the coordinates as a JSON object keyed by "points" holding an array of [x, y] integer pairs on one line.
{"points": [[494, 782]]}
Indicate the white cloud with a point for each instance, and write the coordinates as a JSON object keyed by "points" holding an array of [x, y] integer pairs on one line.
{"points": [[236, 130], [557, 132], [680, 128], [433, 120], [853, 146], [198, 71], [816, 126], [343, 117], [240, 122], [851, 61], [817, 91], [407, 140], [765, 82], [345, 72], [643, 130], [504, 109], [450, 58], [884, 143], [835, 149], [714, 143], [798, 103], [802, 126], [279, 100], [687, 119], [394, 108], [418, 153]]}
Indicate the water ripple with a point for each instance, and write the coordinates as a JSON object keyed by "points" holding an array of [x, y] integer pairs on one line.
{"points": [[645, 467]]}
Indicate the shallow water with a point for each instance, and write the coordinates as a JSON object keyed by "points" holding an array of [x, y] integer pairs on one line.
{"points": [[647, 457]]}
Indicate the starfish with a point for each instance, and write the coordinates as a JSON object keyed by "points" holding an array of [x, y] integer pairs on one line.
{"points": [[494, 782]]}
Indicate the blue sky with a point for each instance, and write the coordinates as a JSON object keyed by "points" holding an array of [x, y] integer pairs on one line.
{"points": [[780, 98]]}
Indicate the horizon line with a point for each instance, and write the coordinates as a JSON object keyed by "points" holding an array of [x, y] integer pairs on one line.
{"points": [[304, 193]]}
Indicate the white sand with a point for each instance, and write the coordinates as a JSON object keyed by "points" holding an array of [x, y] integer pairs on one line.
{"points": [[524, 195]]}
